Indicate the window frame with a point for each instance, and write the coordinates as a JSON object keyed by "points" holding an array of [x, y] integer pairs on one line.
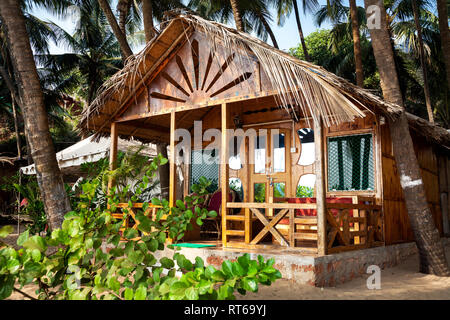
{"points": [[370, 131]]}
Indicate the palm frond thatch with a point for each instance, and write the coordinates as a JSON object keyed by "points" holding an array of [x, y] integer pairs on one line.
{"points": [[315, 91]]}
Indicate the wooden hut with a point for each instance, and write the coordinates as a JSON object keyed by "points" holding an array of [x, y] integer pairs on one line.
{"points": [[308, 123]]}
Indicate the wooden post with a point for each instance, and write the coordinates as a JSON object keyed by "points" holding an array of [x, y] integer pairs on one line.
{"points": [[112, 154], [172, 165], [247, 225], [224, 172], [320, 188]]}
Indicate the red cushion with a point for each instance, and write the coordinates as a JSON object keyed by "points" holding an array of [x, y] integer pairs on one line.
{"points": [[313, 212], [215, 203]]}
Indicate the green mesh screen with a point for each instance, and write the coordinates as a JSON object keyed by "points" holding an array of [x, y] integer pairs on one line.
{"points": [[205, 163], [350, 163]]}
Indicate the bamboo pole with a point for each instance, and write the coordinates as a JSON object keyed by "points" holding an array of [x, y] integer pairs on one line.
{"points": [[112, 154], [172, 166], [224, 173], [320, 187]]}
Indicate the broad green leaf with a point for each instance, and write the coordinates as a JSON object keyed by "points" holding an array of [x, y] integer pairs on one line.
{"points": [[166, 263], [5, 231], [23, 237], [191, 293], [218, 276], [227, 268], [130, 233], [199, 263], [35, 242], [249, 284], [128, 294]]}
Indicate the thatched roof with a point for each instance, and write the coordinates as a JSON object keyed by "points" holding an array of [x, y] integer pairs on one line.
{"points": [[313, 89]]}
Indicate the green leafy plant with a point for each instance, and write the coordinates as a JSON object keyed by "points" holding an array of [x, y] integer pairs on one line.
{"points": [[304, 192], [90, 259]]}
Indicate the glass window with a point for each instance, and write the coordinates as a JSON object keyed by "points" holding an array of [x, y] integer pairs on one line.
{"points": [[350, 163], [236, 185], [305, 187], [260, 154], [234, 148], [279, 189], [205, 163], [279, 152], [260, 192], [308, 149]]}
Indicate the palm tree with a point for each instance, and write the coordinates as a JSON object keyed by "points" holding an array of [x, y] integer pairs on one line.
{"points": [[431, 251], [94, 55], [403, 10], [284, 9], [237, 15], [32, 100], [121, 37], [350, 17], [445, 35], [254, 15], [356, 43]]}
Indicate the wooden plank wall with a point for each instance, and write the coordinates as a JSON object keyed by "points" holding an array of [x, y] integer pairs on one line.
{"points": [[397, 226]]}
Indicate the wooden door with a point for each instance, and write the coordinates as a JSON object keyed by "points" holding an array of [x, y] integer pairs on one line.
{"points": [[270, 167]]}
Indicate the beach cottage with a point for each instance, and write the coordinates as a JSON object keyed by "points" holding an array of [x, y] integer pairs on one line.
{"points": [[301, 158]]}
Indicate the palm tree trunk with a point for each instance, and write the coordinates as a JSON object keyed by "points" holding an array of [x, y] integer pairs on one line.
{"points": [[123, 7], [10, 84], [268, 29], [431, 249], [49, 176], [445, 36], [356, 44], [121, 38], [300, 31], [147, 12], [163, 171], [237, 15], [422, 61], [16, 127]]}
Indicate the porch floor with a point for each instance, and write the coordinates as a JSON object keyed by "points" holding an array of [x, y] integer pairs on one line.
{"points": [[262, 248], [302, 266]]}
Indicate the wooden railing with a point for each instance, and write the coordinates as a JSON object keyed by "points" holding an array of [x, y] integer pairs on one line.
{"points": [[350, 226], [300, 228], [129, 217], [353, 226]]}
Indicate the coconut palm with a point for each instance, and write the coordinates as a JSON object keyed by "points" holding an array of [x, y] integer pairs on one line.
{"points": [[405, 9], [351, 19], [431, 251], [49, 176], [94, 55], [253, 15], [284, 9], [442, 6]]}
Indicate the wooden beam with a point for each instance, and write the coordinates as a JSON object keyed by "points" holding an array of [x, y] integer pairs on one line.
{"points": [[172, 165], [320, 187], [113, 154], [224, 172], [119, 111]]}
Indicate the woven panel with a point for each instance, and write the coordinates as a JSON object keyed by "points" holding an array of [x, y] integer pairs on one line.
{"points": [[205, 163], [350, 163]]}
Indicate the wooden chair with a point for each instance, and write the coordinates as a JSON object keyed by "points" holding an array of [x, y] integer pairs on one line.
{"points": [[212, 225]]}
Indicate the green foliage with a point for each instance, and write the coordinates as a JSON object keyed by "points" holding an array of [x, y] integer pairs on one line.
{"points": [[31, 202], [87, 260], [260, 192], [130, 176], [304, 192]]}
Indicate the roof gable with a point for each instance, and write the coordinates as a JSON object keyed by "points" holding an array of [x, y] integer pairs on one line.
{"points": [[195, 75]]}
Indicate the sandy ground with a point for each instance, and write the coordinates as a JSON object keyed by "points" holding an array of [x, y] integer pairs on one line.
{"points": [[400, 282]]}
